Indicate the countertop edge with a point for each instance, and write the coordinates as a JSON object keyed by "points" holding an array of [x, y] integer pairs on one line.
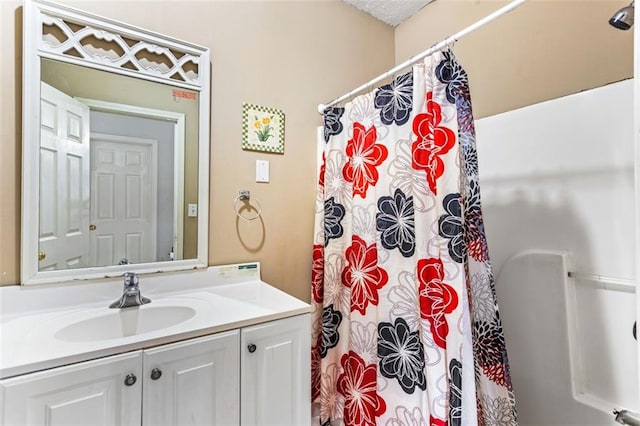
{"points": [[8, 373]]}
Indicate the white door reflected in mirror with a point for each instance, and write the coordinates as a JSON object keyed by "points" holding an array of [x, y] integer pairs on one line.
{"points": [[124, 199], [64, 181]]}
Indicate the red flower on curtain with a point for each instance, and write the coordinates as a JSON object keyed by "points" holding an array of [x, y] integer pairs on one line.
{"points": [[497, 374], [357, 383], [432, 141], [436, 298], [434, 421], [315, 369], [365, 155], [323, 168], [317, 273], [362, 274]]}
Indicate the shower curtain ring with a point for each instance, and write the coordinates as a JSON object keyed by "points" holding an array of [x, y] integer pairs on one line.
{"points": [[450, 42]]}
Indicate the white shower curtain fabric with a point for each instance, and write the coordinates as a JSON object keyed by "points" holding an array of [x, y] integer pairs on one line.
{"points": [[406, 328]]}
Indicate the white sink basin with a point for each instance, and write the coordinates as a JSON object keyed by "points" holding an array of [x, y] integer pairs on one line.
{"points": [[119, 323]]}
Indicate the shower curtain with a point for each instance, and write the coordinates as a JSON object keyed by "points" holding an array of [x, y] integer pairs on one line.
{"points": [[406, 329]]}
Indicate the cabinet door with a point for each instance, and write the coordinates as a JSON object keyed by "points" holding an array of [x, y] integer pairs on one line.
{"points": [[275, 373], [83, 394], [195, 382]]}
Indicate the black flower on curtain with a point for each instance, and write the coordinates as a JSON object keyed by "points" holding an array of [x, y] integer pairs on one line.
{"points": [[333, 215], [474, 233], [472, 199], [331, 320], [489, 342], [489, 350], [450, 226], [454, 76], [395, 218], [466, 124], [401, 355], [455, 395], [395, 100], [469, 156], [332, 124]]}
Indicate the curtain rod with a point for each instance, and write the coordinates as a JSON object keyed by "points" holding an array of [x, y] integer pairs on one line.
{"points": [[444, 43]]}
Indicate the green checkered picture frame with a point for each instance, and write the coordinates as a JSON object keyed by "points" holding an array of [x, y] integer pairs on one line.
{"points": [[262, 128]]}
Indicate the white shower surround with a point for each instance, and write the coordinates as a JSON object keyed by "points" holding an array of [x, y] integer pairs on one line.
{"points": [[558, 197]]}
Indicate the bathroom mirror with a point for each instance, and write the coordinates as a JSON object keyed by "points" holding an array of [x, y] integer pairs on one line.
{"points": [[115, 148]]}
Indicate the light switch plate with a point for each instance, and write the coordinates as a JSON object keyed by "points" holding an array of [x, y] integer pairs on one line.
{"points": [[262, 171], [192, 210]]}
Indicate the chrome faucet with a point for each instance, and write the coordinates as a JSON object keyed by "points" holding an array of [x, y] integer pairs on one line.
{"points": [[130, 294]]}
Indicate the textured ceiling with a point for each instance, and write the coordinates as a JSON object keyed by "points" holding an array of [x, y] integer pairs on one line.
{"points": [[392, 12]]}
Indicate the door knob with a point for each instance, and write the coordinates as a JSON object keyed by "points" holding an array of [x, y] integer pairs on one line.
{"points": [[92, 227], [41, 255], [156, 373], [251, 348], [130, 380]]}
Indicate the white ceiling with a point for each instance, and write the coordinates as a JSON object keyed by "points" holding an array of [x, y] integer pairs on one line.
{"points": [[392, 12]]}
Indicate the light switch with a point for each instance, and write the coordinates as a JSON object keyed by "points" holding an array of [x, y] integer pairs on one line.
{"points": [[262, 171], [192, 210]]}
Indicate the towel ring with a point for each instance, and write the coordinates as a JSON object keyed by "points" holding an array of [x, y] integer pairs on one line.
{"points": [[245, 196]]}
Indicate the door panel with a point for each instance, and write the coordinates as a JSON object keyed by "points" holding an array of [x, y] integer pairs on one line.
{"points": [[87, 394], [193, 383], [64, 181], [123, 199], [275, 378]]}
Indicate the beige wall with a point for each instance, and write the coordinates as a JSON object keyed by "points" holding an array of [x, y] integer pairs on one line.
{"points": [[288, 55], [542, 50]]}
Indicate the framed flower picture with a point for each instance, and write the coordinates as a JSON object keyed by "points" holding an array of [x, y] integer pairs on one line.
{"points": [[262, 128]]}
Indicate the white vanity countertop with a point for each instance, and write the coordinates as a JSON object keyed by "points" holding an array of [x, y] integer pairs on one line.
{"points": [[33, 319]]}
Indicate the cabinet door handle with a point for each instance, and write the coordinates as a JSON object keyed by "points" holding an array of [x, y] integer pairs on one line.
{"points": [[130, 380], [252, 348], [156, 373]]}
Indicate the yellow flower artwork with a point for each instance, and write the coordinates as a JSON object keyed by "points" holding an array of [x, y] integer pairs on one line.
{"points": [[262, 128]]}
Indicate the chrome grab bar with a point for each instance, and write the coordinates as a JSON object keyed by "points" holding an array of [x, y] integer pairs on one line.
{"points": [[627, 417]]}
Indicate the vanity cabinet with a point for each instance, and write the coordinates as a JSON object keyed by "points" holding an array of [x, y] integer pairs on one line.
{"points": [[265, 369], [276, 373], [87, 393], [195, 382]]}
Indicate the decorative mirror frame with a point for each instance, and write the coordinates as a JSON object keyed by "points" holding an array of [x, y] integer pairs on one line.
{"points": [[131, 40]]}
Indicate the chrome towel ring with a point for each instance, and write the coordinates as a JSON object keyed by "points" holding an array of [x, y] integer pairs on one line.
{"points": [[243, 200]]}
